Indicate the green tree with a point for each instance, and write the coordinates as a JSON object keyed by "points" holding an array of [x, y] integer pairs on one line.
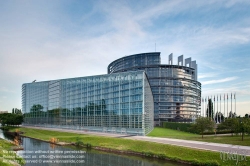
{"points": [[16, 111], [202, 124], [210, 110], [244, 126], [11, 119], [231, 124], [78, 142]]}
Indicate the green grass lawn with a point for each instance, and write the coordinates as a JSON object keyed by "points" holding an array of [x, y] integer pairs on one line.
{"points": [[172, 152], [164, 132], [226, 139], [6, 146]]}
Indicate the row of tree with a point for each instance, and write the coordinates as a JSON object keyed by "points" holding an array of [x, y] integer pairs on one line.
{"points": [[14, 118], [11, 119], [232, 125], [16, 111], [236, 126]]}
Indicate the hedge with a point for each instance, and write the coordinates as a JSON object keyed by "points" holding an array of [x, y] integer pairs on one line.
{"points": [[177, 126], [186, 127]]}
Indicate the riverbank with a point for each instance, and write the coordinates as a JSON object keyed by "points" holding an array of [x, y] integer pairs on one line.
{"points": [[8, 156], [149, 149]]}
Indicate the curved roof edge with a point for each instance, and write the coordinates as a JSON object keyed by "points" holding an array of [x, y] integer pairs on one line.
{"points": [[127, 56]]}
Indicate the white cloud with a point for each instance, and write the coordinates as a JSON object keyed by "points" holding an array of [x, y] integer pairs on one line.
{"points": [[218, 81], [241, 89], [33, 46], [207, 75], [231, 3], [4, 89]]}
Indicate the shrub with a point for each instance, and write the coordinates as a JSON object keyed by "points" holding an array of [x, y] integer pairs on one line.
{"points": [[5, 128], [203, 124], [161, 156], [78, 142], [177, 126], [88, 145], [148, 154]]}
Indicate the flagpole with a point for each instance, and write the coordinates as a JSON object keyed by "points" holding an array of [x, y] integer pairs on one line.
{"points": [[204, 107], [235, 102], [224, 106], [201, 106], [227, 105], [206, 101], [217, 119], [220, 108], [207, 107], [214, 109], [231, 106], [217, 110], [211, 113]]}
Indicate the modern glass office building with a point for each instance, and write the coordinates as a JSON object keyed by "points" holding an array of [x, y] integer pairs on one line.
{"points": [[116, 103], [176, 91], [137, 93]]}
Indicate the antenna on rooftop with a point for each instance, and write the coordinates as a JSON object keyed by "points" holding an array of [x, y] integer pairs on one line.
{"points": [[155, 46]]}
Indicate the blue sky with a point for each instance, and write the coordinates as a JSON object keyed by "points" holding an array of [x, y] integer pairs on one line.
{"points": [[46, 40]]}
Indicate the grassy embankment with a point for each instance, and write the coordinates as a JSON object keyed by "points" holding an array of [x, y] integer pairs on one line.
{"points": [[5, 147], [225, 139], [175, 153]]}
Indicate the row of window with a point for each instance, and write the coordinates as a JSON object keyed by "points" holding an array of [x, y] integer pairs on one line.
{"points": [[102, 92], [104, 87]]}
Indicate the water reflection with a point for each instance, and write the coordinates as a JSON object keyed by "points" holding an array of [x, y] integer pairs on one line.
{"points": [[18, 140], [45, 154], [6, 136]]}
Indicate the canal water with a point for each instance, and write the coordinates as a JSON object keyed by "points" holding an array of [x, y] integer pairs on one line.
{"points": [[41, 153]]}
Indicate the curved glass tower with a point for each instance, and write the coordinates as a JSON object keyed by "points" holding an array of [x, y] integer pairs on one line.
{"points": [[176, 91]]}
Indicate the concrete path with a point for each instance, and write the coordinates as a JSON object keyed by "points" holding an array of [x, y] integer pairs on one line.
{"points": [[198, 144], [244, 150]]}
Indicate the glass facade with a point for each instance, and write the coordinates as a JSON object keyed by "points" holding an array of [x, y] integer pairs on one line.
{"points": [[116, 103], [175, 88]]}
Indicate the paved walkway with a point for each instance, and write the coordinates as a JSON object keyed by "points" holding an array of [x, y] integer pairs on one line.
{"points": [[178, 142]]}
